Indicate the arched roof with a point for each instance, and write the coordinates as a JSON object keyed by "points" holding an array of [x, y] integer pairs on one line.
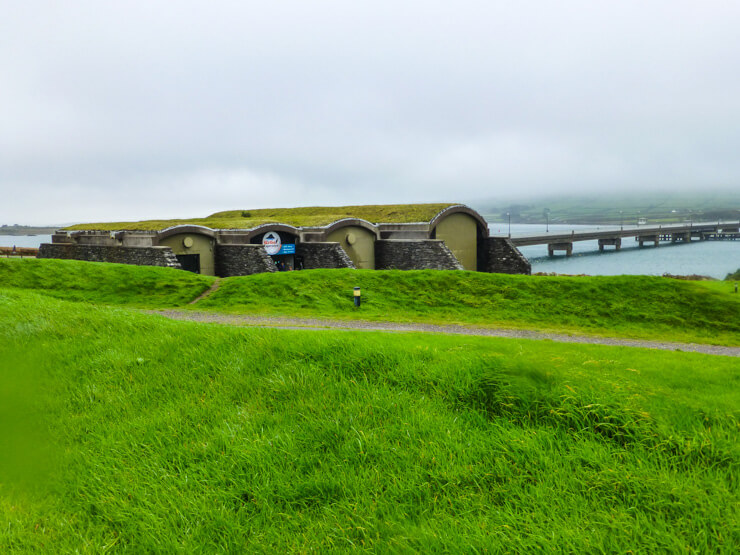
{"points": [[355, 222], [264, 228], [178, 229], [461, 209]]}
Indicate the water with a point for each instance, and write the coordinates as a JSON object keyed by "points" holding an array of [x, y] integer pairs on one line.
{"points": [[707, 258], [30, 241]]}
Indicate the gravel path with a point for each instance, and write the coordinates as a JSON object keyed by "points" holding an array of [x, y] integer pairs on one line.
{"points": [[215, 285], [317, 324]]}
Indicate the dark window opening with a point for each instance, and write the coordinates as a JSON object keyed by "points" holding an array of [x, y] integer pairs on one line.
{"points": [[189, 262]]}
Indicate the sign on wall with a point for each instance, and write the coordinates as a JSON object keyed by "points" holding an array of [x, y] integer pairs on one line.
{"points": [[274, 246], [271, 242]]}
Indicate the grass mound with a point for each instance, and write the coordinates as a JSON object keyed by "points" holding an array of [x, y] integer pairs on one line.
{"points": [[179, 436], [298, 217], [637, 306], [628, 306], [99, 282]]}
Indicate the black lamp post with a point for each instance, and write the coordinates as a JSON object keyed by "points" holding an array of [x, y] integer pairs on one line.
{"points": [[508, 215], [621, 226], [547, 220]]}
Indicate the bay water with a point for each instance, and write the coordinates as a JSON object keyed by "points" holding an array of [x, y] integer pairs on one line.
{"points": [[28, 241], [714, 259]]}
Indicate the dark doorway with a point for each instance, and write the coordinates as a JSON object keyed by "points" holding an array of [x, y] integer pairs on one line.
{"points": [[189, 262], [284, 262]]}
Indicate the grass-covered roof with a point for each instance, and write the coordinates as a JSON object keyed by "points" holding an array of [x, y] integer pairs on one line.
{"points": [[309, 216]]}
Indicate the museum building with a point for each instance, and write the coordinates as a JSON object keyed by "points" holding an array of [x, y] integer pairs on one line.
{"points": [[449, 237]]}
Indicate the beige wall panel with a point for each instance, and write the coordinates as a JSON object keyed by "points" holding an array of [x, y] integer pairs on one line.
{"points": [[460, 234], [358, 243], [201, 245]]}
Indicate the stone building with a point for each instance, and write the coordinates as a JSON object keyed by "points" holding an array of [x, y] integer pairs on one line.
{"points": [[449, 237]]}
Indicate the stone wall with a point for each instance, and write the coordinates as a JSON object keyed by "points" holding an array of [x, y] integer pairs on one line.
{"points": [[323, 255], [242, 260], [426, 254], [498, 255], [140, 256], [495, 254]]}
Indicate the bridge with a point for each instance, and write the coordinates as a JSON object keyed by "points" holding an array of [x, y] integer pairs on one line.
{"points": [[643, 234]]}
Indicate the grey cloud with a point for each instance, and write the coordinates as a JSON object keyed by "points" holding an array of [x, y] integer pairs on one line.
{"points": [[247, 104]]}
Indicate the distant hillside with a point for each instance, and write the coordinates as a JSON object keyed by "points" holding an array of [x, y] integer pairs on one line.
{"points": [[605, 209]]}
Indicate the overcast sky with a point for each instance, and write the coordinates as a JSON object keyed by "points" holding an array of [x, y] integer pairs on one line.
{"points": [[138, 109]]}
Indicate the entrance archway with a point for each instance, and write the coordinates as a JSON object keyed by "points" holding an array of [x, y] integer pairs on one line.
{"points": [[193, 246], [279, 242]]}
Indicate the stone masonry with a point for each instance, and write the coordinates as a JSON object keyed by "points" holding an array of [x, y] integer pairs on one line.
{"points": [[498, 255], [139, 256], [242, 260], [323, 255], [426, 254]]}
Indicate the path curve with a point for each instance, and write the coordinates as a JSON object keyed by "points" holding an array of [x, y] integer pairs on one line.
{"points": [[363, 325], [207, 293]]}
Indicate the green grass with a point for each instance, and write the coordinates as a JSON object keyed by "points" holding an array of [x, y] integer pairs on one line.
{"points": [[630, 306], [298, 217], [627, 306], [97, 282], [163, 436]]}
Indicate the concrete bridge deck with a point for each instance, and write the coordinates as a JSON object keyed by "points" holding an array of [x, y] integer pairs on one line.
{"points": [[559, 241]]}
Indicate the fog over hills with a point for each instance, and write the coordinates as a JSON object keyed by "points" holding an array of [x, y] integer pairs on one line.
{"points": [[140, 110], [611, 207]]}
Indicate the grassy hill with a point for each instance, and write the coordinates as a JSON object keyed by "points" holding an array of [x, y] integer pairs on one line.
{"points": [[639, 306], [96, 282], [125, 431], [298, 217], [629, 306]]}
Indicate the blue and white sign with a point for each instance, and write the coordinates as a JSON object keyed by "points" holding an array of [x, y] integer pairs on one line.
{"points": [[287, 248], [271, 242]]}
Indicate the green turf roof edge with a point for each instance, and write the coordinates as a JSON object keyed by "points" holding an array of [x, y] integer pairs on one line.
{"points": [[301, 217]]}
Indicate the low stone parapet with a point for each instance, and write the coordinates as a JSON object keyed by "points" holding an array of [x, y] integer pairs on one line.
{"points": [[139, 256], [323, 255], [499, 256], [427, 254], [242, 260]]}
